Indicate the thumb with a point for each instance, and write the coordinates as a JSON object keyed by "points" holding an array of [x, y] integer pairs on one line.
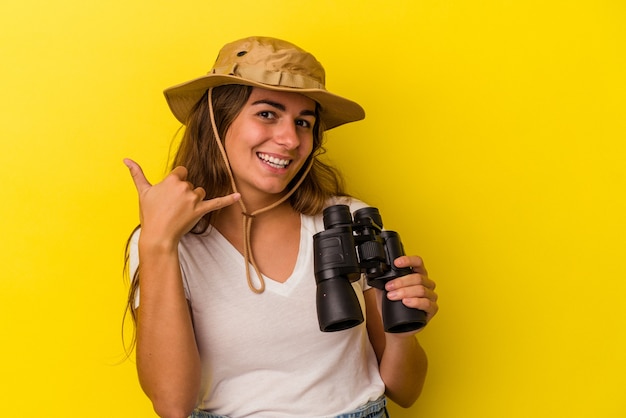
{"points": [[139, 178]]}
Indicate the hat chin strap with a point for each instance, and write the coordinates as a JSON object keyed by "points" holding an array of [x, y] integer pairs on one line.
{"points": [[248, 217]]}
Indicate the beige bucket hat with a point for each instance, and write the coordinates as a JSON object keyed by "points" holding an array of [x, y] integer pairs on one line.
{"points": [[271, 64]]}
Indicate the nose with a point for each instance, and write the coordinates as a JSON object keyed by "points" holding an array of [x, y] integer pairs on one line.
{"points": [[286, 135]]}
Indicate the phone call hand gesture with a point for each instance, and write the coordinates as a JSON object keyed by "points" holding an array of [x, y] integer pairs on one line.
{"points": [[169, 209]]}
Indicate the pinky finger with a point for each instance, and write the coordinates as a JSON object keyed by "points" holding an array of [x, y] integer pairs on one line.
{"points": [[422, 304], [219, 202]]}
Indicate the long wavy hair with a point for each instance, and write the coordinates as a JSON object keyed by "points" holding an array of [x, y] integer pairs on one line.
{"points": [[199, 153]]}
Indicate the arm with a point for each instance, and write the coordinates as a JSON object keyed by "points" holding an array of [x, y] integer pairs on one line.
{"points": [[402, 361], [168, 362]]}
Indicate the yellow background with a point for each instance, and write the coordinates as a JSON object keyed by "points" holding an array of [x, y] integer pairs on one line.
{"points": [[494, 144]]}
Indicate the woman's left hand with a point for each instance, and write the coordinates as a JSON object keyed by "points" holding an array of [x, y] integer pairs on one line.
{"points": [[415, 290]]}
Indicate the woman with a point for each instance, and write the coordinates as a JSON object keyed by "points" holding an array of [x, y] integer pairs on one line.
{"points": [[226, 319]]}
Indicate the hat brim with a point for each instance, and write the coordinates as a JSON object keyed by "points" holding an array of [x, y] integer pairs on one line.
{"points": [[335, 110]]}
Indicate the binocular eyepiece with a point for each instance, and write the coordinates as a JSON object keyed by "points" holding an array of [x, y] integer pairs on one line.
{"points": [[346, 249]]}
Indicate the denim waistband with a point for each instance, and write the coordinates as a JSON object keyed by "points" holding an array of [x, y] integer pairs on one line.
{"points": [[372, 409]]}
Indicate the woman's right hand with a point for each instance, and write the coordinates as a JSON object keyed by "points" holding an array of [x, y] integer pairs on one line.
{"points": [[169, 209]]}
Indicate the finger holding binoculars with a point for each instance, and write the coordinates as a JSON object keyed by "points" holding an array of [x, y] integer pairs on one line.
{"points": [[411, 261], [410, 286], [170, 209], [415, 290]]}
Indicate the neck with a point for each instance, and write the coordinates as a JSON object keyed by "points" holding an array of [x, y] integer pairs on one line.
{"points": [[254, 202], [234, 212]]}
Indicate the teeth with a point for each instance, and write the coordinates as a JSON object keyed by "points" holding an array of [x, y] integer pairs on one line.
{"points": [[273, 161]]}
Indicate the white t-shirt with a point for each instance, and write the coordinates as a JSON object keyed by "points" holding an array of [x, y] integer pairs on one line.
{"points": [[263, 355]]}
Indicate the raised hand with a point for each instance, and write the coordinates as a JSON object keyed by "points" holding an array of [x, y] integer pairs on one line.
{"points": [[169, 209]]}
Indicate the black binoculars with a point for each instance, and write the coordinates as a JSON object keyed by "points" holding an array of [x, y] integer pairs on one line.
{"points": [[345, 250]]}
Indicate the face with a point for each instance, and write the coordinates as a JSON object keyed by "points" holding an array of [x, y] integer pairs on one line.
{"points": [[269, 142]]}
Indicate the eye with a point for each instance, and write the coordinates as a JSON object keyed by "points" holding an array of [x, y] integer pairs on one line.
{"points": [[304, 123], [266, 114]]}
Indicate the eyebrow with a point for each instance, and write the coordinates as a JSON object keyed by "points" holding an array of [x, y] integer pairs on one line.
{"points": [[282, 107]]}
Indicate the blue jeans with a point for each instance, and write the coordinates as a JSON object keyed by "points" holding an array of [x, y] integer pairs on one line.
{"points": [[372, 409]]}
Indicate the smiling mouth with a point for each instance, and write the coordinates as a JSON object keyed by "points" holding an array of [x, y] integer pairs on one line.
{"points": [[273, 161]]}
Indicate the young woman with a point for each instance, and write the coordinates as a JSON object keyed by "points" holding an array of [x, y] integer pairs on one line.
{"points": [[223, 291]]}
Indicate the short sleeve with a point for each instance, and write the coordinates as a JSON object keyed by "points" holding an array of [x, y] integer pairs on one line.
{"points": [[133, 261]]}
